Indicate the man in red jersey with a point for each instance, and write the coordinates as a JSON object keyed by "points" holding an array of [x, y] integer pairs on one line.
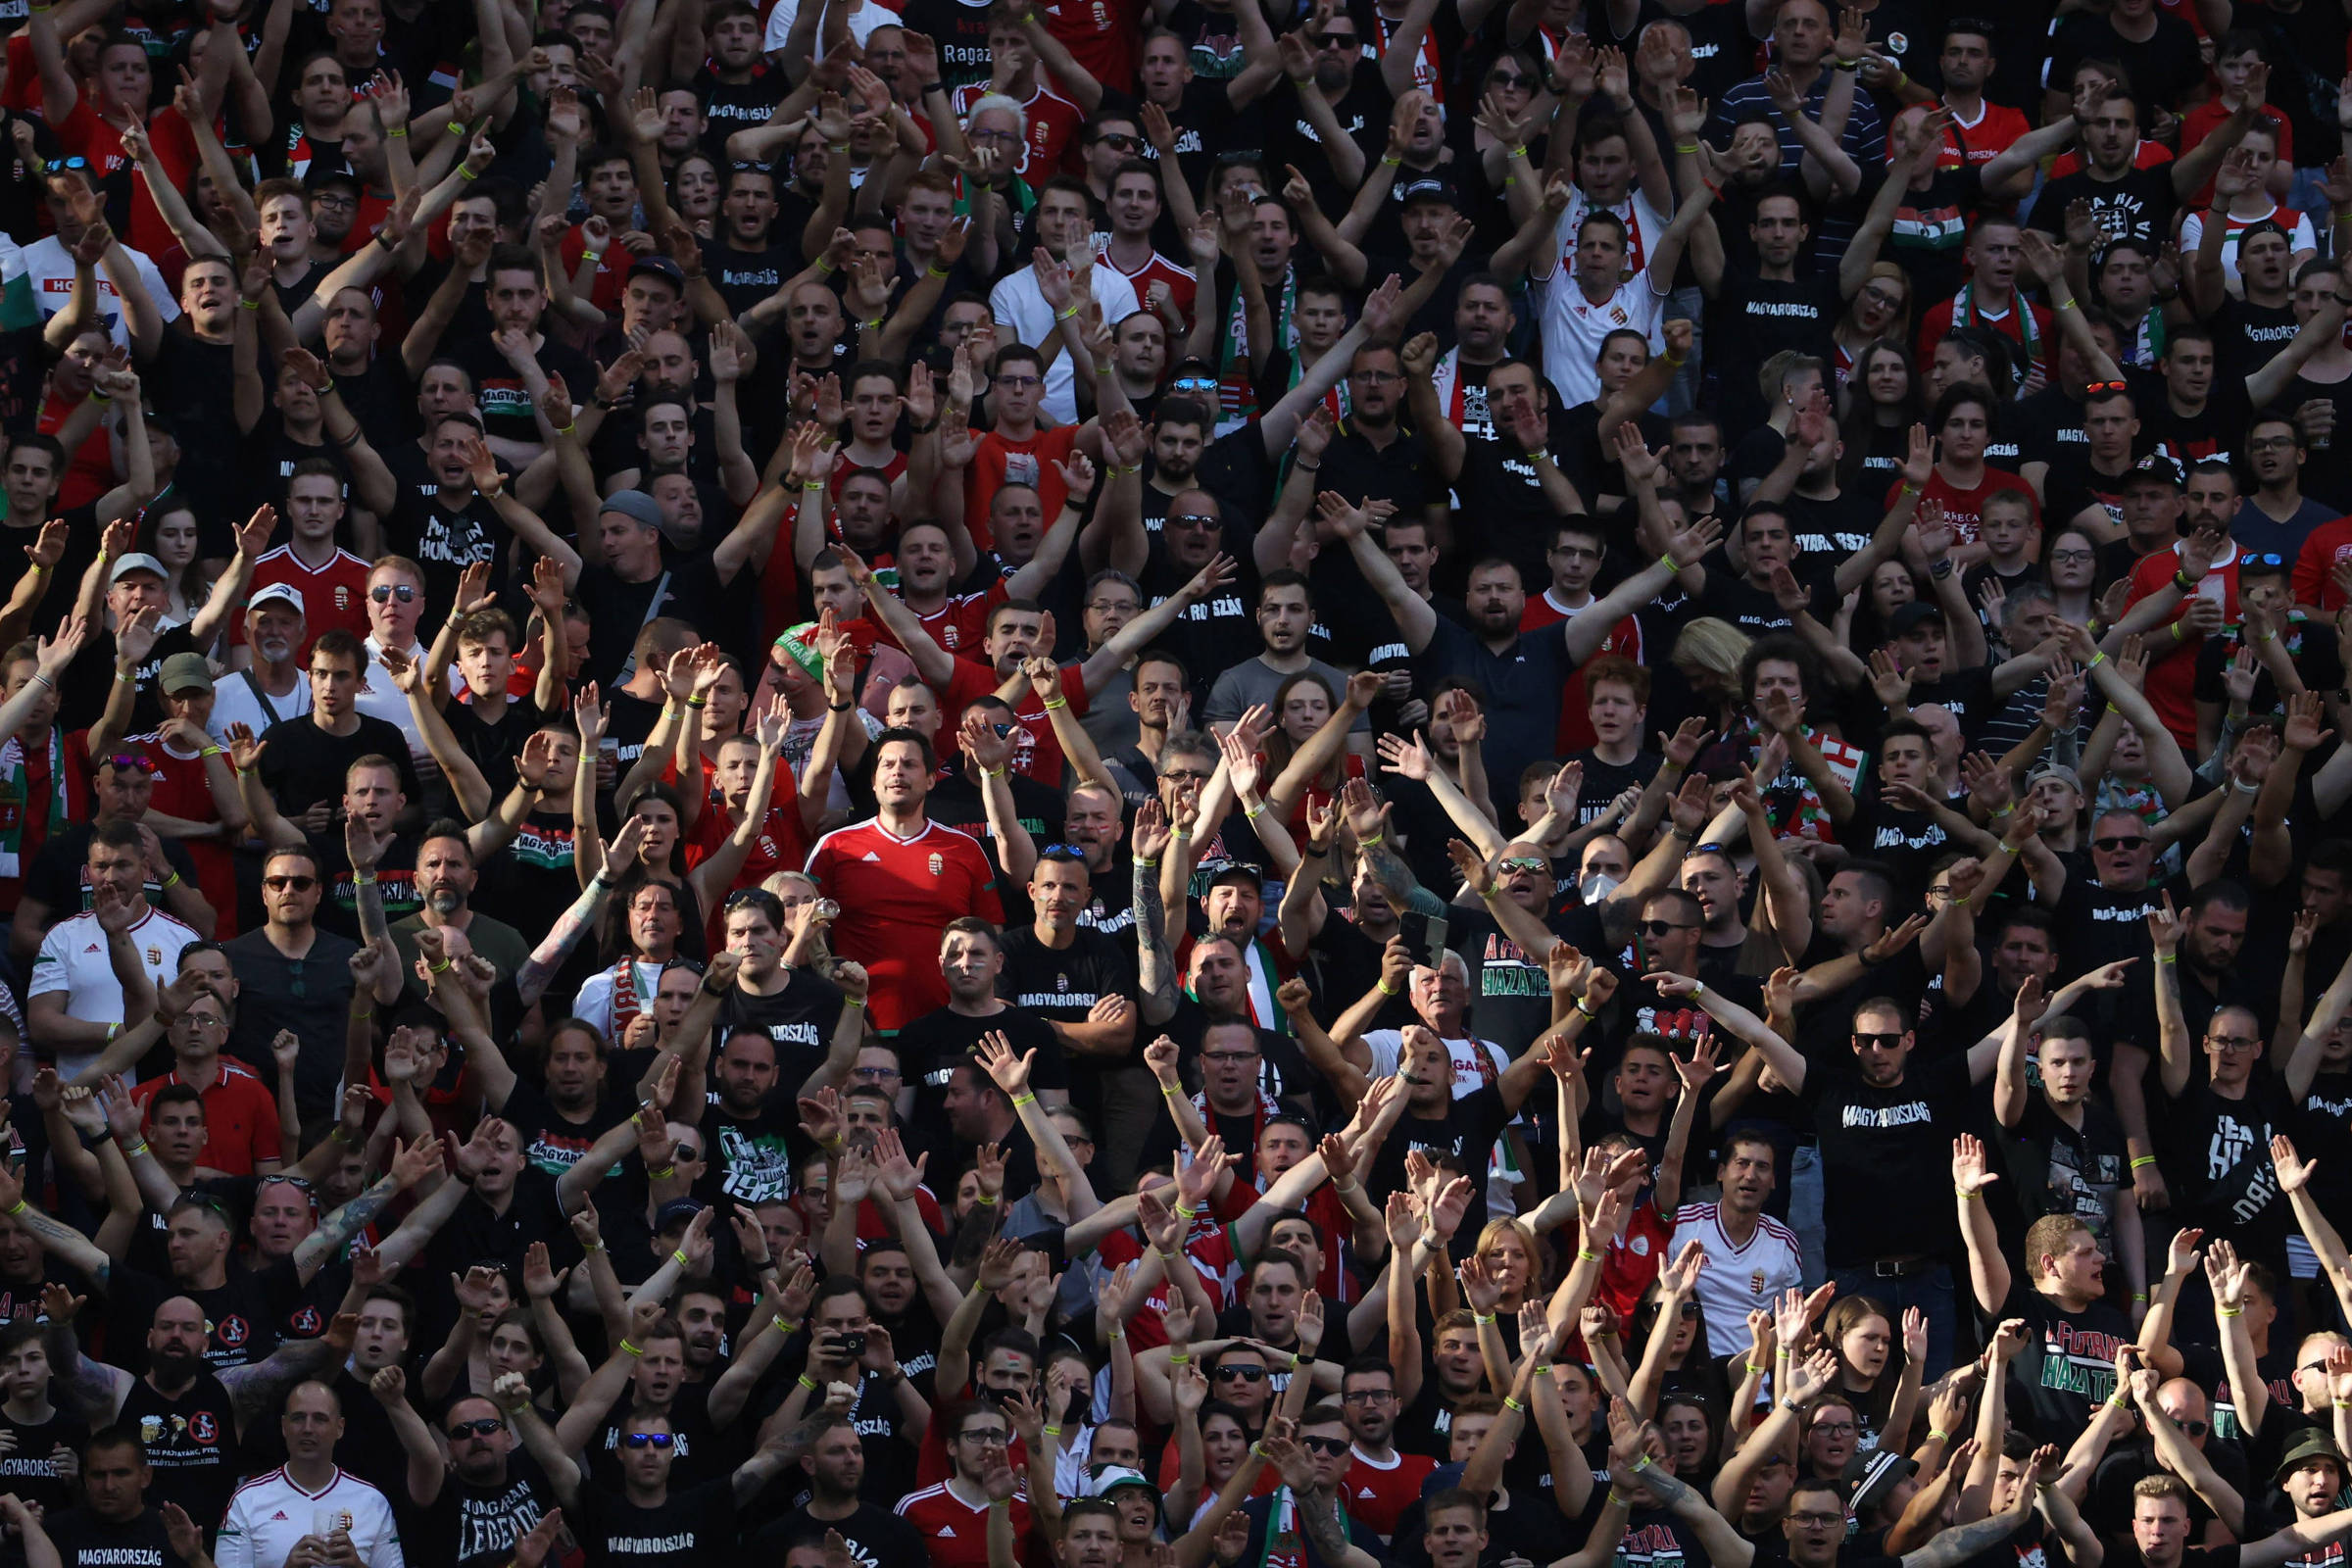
{"points": [[953, 1515], [899, 879]]}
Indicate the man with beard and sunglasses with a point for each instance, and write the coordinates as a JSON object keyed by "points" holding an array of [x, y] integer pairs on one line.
{"points": [[480, 1496]]}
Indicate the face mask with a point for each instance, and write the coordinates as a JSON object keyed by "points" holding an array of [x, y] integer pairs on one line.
{"points": [[1598, 886]]}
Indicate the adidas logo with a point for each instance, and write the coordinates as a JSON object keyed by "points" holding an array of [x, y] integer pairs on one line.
{"points": [[867, 856], [279, 1517], [946, 1532], [1364, 1491]]}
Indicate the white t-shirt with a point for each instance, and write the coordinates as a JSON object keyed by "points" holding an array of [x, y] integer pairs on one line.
{"points": [[49, 270], [2300, 239], [1737, 1280], [270, 1514], [862, 20], [72, 959], [1574, 327], [236, 699], [1017, 304], [381, 699]]}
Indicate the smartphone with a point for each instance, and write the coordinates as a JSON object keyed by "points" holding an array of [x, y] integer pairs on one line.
{"points": [[852, 1344]]}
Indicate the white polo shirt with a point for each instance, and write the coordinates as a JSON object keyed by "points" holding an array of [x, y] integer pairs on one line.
{"points": [[72, 959]]}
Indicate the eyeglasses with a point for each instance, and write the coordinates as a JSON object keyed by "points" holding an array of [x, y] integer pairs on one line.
{"points": [[983, 1436], [1019, 382], [481, 1428], [2271, 443], [385, 593], [1334, 1446], [1659, 928], [1240, 1374], [204, 1020], [2071, 557], [1834, 1428], [1523, 862], [125, 762], [1818, 1521], [1186, 775], [874, 1075], [1191, 519], [2119, 840], [2231, 1041], [1368, 1397], [1228, 1056], [647, 1439], [1376, 377], [286, 884], [1877, 1042], [333, 198]]}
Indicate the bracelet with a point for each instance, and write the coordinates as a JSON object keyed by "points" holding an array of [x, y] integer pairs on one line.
{"points": [[853, 1002], [1170, 1091], [809, 1383], [1386, 162], [1367, 843], [994, 773], [2144, 1159], [2177, 634], [1307, 467], [1620, 1500], [438, 968], [1296, 1362], [1179, 1357], [127, 677], [1382, 986], [2140, 1296], [986, 1200], [662, 1175], [1543, 1369], [1018, 1100], [570, 429], [249, 305], [465, 171], [935, 270], [1752, 1367], [2117, 1402], [1510, 153], [1907, 490], [2066, 304], [1792, 1406], [1186, 1215], [783, 1325], [100, 397], [1054, 1433], [1056, 703], [1841, 65], [1180, 833], [1965, 1195], [1063, 316], [1690, 147], [2167, 958], [874, 326], [1589, 1257], [1511, 1404], [1935, 1436], [356, 1012], [19, 1207], [1254, 812], [1148, 865], [399, 134], [1587, 1012], [167, 882], [626, 1348], [2185, 582], [1482, 1319], [1667, 561], [697, 702], [140, 1147], [2096, 660]]}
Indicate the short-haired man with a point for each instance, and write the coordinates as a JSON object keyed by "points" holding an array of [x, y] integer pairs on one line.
{"points": [[89, 962], [2063, 1150], [304, 761], [1752, 1256], [274, 1514], [329, 582]]}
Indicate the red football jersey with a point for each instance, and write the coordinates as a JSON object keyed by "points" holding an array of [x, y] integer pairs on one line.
{"points": [[335, 595], [894, 894]]}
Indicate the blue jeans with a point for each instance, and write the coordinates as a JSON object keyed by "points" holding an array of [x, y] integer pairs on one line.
{"points": [[1804, 1213], [1930, 1289]]}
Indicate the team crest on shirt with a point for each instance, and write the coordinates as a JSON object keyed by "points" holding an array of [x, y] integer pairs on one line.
{"points": [[949, 637], [342, 596], [1617, 314], [154, 957], [1898, 43], [1755, 1284], [939, 863]]}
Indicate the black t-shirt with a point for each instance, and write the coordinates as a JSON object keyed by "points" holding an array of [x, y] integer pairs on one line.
{"points": [[932, 1047], [191, 1442], [29, 1468], [877, 1537], [506, 406], [799, 1018], [445, 543], [1465, 1136], [1063, 984], [2162, 70], [2140, 205], [617, 1533], [688, 589], [192, 387], [467, 1521], [60, 873], [1757, 318], [1876, 1141], [744, 279], [85, 1541], [730, 107], [2068, 1364], [82, 690], [303, 764], [2245, 335]]}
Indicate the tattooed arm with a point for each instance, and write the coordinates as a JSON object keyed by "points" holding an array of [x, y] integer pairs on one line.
{"points": [[255, 1389], [1723, 1544], [1155, 966], [338, 1228], [92, 1388], [785, 1445], [56, 1238], [1961, 1542], [1319, 1521]]}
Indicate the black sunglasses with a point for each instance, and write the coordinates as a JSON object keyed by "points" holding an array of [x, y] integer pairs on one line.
{"points": [[481, 1428], [280, 884], [1877, 1042], [1335, 1447], [2119, 840], [385, 593], [1242, 1374], [1659, 928]]}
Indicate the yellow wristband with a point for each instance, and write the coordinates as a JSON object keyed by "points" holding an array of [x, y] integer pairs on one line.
{"points": [[626, 1348], [809, 1383], [785, 1326], [2144, 1159], [1510, 1403], [986, 1200], [1018, 1100], [1056, 703], [1588, 1257], [1179, 1358]]}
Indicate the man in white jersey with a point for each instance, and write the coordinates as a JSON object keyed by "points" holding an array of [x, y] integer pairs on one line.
{"points": [[1581, 309], [307, 1499], [1751, 1257]]}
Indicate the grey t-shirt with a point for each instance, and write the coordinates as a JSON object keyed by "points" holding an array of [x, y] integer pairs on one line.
{"points": [[1249, 683]]}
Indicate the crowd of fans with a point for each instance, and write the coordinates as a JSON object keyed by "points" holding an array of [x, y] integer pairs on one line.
{"points": [[1112, 785]]}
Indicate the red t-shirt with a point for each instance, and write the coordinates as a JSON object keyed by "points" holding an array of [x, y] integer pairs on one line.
{"points": [[1000, 461], [1100, 37], [85, 134], [2323, 547], [91, 472], [2173, 666], [894, 894], [240, 1118], [1964, 510], [1379, 1494], [335, 595], [1036, 751], [1183, 283], [2203, 120], [184, 790], [1996, 127], [2146, 155]]}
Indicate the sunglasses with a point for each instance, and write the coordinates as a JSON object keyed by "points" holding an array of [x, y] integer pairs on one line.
{"points": [[1877, 1042], [2119, 840], [125, 762], [1122, 141], [1510, 78], [299, 1182], [1242, 1374], [1522, 862], [1191, 519], [2097, 387], [1063, 851], [385, 593], [482, 1427], [2195, 1429], [685, 1151], [1334, 1446], [282, 884], [1194, 383], [1659, 928], [2267, 559], [646, 1439]]}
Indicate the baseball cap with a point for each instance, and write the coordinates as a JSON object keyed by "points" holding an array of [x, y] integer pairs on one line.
{"points": [[137, 560], [184, 673], [1236, 871], [1874, 1475], [1910, 616], [1427, 190], [2057, 770], [677, 1212], [274, 592], [1103, 1480], [661, 267], [634, 504], [2154, 468]]}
